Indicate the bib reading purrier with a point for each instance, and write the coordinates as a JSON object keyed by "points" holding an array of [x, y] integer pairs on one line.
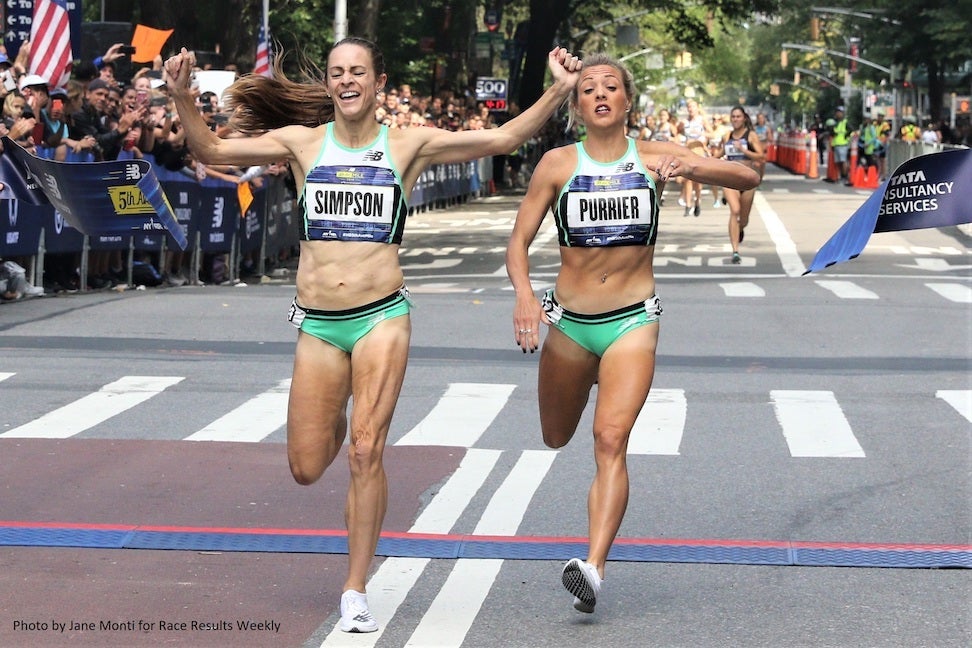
{"points": [[607, 203], [353, 194]]}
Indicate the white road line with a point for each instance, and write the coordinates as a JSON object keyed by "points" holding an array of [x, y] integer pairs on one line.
{"points": [[814, 425], [785, 247], [509, 503], [846, 289], [454, 609], [960, 399], [547, 232], [742, 289], [253, 421], [660, 425], [442, 512], [953, 292], [395, 578], [114, 398], [461, 415]]}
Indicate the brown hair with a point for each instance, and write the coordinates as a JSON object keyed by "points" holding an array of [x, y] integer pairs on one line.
{"points": [[260, 103]]}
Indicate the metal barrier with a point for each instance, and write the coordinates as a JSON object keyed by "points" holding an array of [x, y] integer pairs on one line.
{"points": [[900, 151], [209, 213]]}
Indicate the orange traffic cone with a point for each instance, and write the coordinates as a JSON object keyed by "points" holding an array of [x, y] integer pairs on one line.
{"points": [[871, 178], [857, 177], [812, 171], [833, 173]]}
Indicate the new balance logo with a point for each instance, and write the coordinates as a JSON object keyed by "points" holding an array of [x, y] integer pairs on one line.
{"points": [[625, 167], [374, 156]]}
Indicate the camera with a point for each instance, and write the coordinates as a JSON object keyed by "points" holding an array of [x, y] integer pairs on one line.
{"points": [[127, 49], [8, 81]]}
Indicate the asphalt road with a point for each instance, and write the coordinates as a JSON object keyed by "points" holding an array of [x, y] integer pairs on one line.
{"points": [[801, 476]]}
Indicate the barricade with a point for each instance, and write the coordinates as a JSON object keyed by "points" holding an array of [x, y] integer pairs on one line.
{"points": [[209, 213]]}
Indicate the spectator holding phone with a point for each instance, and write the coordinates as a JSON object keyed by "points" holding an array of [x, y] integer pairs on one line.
{"points": [[114, 53]]}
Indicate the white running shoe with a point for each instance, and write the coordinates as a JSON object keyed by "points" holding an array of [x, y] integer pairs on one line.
{"points": [[355, 616], [581, 579]]}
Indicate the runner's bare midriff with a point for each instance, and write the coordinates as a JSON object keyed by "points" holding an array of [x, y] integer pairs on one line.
{"points": [[338, 275], [598, 280]]}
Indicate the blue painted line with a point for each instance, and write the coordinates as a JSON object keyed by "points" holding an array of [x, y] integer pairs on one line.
{"points": [[513, 548]]}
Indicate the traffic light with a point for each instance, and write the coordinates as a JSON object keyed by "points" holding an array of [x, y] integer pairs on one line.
{"points": [[854, 50]]}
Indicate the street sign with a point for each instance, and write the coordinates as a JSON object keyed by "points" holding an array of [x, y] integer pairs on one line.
{"points": [[492, 92]]}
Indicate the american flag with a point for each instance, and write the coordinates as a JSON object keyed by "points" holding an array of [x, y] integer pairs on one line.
{"points": [[262, 65], [50, 42]]}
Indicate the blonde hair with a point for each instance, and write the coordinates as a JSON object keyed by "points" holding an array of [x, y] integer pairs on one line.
{"points": [[599, 58]]}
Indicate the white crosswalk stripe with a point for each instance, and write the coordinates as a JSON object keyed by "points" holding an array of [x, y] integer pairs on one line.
{"points": [[742, 289], [814, 425], [461, 415], [658, 429], [112, 399], [846, 289], [960, 399], [953, 292], [254, 420]]}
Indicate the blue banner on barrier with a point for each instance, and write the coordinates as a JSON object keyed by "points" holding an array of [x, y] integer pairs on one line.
{"points": [[219, 213], [926, 191], [20, 227], [118, 198]]}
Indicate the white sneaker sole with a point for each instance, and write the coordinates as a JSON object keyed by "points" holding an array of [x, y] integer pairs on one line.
{"points": [[575, 581]]}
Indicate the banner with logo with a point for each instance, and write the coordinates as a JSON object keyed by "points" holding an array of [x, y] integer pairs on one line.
{"points": [[117, 198], [925, 191]]}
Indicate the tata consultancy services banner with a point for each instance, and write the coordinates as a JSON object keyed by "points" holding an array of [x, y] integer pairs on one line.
{"points": [[926, 191], [121, 197]]}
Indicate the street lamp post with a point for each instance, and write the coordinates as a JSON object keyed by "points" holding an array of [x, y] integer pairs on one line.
{"points": [[822, 77], [850, 57]]}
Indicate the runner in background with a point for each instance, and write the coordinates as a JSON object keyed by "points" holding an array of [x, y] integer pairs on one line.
{"points": [[742, 145], [696, 134], [766, 135]]}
